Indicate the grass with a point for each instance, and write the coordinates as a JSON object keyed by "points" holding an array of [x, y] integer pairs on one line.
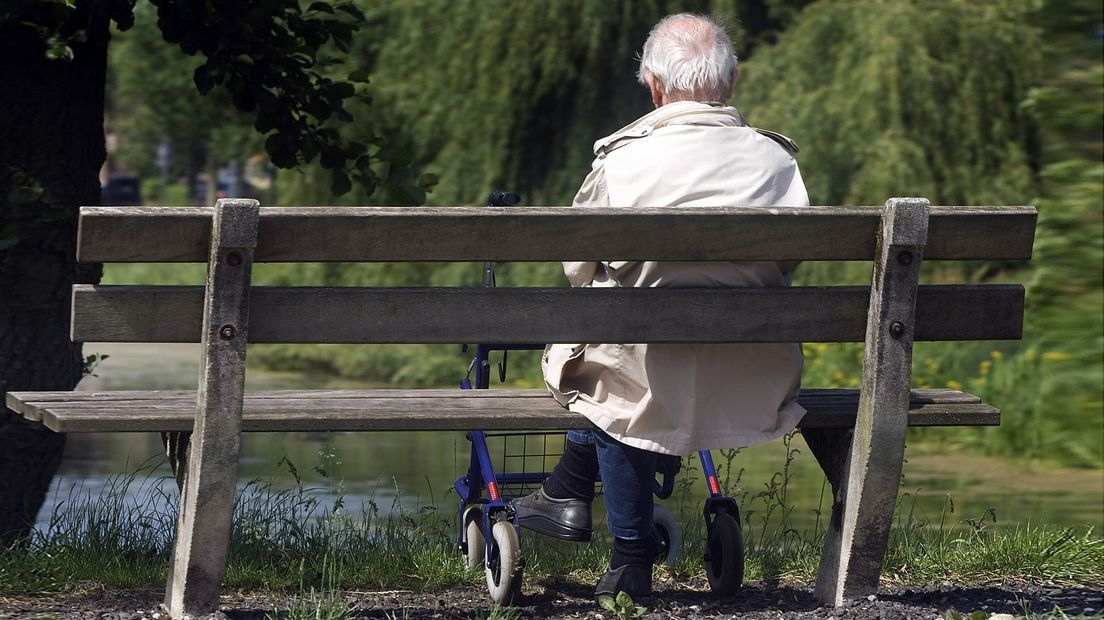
{"points": [[291, 540]]}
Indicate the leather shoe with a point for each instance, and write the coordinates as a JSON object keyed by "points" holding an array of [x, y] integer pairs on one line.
{"points": [[632, 579], [566, 519]]}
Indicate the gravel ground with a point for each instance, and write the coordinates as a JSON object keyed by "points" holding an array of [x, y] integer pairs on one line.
{"points": [[569, 599]]}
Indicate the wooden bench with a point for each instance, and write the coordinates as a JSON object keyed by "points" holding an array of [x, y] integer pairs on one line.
{"points": [[856, 435]]}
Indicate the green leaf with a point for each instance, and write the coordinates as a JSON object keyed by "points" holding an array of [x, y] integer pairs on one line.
{"points": [[243, 100], [122, 11], [624, 600], [606, 602], [353, 11], [332, 156], [279, 152], [343, 89], [364, 164], [59, 51], [22, 194], [204, 80], [309, 149], [639, 612], [7, 242], [428, 181], [360, 75], [367, 181], [321, 7], [341, 183]]}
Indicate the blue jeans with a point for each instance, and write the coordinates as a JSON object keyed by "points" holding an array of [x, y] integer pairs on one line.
{"points": [[628, 475]]}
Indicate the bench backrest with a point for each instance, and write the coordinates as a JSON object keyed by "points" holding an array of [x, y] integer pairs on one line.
{"points": [[453, 315]]}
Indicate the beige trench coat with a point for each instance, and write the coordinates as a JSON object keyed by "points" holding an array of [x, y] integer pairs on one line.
{"points": [[678, 398]]}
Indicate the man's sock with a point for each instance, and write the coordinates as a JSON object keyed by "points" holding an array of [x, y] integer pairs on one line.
{"points": [[574, 476], [639, 551]]}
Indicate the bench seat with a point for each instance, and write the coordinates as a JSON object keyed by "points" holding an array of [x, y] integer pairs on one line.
{"points": [[421, 409]]}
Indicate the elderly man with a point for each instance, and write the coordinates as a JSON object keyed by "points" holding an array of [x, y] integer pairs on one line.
{"points": [[646, 400]]}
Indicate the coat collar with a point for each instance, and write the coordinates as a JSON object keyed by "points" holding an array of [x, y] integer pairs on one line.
{"points": [[685, 113], [677, 113]]}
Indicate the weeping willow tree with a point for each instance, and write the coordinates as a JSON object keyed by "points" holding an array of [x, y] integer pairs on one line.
{"points": [[481, 95], [963, 103], [1066, 291], [891, 98], [496, 94]]}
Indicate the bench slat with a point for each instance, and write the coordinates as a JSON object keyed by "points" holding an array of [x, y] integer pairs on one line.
{"points": [[519, 315], [441, 409], [17, 399], [31, 404], [297, 234]]}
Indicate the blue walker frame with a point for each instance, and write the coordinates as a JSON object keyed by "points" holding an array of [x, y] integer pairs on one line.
{"points": [[481, 474]]}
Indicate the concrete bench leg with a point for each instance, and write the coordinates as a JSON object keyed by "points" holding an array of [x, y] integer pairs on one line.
{"points": [[207, 500], [858, 534]]}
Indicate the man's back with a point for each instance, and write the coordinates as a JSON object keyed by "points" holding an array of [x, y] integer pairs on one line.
{"points": [[675, 398], [701, 156]]}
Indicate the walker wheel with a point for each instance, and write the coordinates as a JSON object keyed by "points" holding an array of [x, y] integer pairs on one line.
{"points": [[667, 534], [504, 564], [724, 556], [475, 542]]}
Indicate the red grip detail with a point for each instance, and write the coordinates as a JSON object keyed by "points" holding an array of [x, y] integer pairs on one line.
{"points": [[492, 490], [713, 486]]}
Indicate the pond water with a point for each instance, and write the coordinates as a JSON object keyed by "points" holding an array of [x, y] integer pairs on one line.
{"points": [[418, 469]]}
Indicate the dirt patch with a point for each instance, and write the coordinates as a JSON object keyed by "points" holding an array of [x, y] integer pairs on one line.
{"points": [[569, 599]]}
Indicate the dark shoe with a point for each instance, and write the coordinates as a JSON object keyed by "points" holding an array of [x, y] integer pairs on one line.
{"points": [[632, 579], [566, 519]]}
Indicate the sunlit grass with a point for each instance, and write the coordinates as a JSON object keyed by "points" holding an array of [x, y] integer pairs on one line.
{"points": [[292, 540]]}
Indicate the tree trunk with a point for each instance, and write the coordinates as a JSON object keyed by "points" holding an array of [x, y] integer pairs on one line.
{"points": [[51, 131]]}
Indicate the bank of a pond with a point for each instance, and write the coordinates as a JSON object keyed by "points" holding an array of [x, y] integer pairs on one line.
{"points": [[416, 469]]}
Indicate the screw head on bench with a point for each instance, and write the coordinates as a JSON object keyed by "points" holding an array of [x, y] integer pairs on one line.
{"points": [[904, 258], [227, 332], [234, 259], [896, 329]]}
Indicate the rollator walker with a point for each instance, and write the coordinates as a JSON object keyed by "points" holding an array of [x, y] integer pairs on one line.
{"points": [[489, 531]]}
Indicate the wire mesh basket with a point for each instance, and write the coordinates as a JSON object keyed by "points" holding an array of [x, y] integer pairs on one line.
{"points": [[522, 460]]}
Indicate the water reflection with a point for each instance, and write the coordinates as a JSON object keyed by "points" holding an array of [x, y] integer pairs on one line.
{"points": [[419, 468]]}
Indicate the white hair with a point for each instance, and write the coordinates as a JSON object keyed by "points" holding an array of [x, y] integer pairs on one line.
{"points": [[691, 57]]}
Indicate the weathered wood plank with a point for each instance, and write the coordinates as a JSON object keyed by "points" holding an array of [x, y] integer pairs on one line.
{"points": [[430, 415], [207, 498], [454, 315], [855, 541], [443, 409], [32, 405], [19, 401], [294, 234]]}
